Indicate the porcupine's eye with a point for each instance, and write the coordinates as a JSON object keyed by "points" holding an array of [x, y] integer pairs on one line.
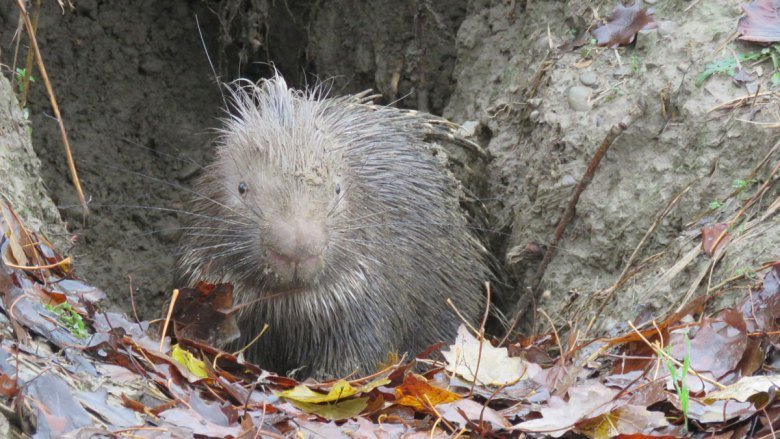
{"points": [[338, 188], [242, 188]]}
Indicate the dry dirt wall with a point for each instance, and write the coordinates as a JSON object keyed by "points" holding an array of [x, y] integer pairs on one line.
{"points": [[543, 140], [20, 169]]}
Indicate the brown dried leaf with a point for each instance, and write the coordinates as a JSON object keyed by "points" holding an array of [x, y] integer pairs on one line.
{"points": [[623, 24], [761, 22], [204, 313], [709, 237], [715, 347]]}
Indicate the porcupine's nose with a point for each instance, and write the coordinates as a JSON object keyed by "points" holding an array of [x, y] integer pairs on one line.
{"points": [[295, 249]]}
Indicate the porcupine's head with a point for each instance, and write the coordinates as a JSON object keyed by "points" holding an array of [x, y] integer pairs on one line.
{"points": [[269, 200]]}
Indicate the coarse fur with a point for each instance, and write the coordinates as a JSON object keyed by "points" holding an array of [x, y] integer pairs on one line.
{"points": [[337, 221]]}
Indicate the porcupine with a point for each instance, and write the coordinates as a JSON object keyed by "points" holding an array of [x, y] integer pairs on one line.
{"points": [[335, 217]]}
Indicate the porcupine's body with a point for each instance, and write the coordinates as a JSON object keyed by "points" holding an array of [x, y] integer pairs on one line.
{"points": [[338, 217]]}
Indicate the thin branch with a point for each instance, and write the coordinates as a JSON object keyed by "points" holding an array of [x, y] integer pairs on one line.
{"points": [[568, 214], [42, 68]]}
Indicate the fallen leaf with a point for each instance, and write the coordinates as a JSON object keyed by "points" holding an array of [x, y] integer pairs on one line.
{"points": [[8, 387], [418, 393], [715, 347], [623, 24], [745, 389], [639, 389], [741, 76], [762, 309], [181, 417], [99, 401], [341, 389], [186, 359], [204, 313], [761, 22], [585, 402], [368, 429], [57, 409], [629, 419], [336, 404], [465, 410], [710, 235], [716, 411], [348, 408], [493, 365]]}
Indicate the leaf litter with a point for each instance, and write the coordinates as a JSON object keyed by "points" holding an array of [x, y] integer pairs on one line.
{"points": [[623, 24], [761, 22], [118, 381]]}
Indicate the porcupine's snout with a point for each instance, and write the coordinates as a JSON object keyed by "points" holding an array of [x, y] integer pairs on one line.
{"points": [[295, 249]]}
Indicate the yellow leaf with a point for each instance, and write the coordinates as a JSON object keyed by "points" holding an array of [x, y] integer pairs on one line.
{"points": [[336, 411], [341, 389], [186, 359]]}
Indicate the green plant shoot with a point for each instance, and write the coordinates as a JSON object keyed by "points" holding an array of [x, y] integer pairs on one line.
{"points": [[70, 319]]}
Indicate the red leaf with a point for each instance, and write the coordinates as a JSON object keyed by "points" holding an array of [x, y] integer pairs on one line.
{"points": [[8, 387], [761, 22]]}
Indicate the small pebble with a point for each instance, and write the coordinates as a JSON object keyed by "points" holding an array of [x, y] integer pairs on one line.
{"points": [[568, 180], [588, 78], [579, 98], [623, 72]]}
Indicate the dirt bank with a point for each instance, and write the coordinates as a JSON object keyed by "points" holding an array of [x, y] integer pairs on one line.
{"points": [[139, 98]]}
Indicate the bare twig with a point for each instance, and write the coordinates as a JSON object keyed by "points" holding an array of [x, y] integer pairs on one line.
{"points": [[568, 214], [168, 318], [481, 338], [742, 100], [55, 108]]}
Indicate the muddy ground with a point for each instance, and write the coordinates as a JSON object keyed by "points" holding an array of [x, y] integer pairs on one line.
{"points": [[139, 100]]}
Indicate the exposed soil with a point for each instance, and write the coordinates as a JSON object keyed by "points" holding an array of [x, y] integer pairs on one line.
{"points": [[542, 142], [138, 97], [136, 92]]}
